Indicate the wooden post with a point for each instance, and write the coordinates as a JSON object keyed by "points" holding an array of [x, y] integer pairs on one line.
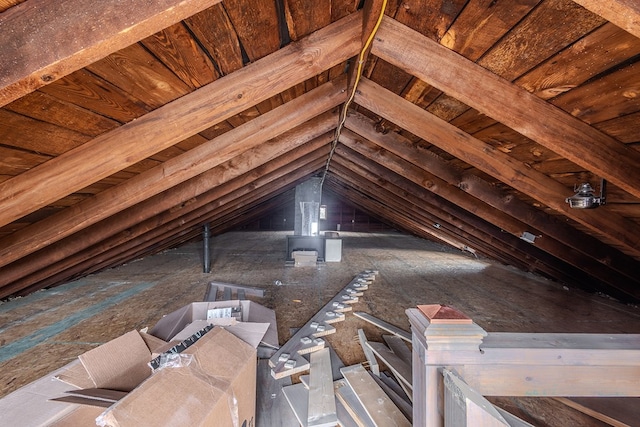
{"points": [[435, 335]]}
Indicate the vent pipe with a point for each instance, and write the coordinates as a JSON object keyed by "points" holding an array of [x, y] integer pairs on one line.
{"points": [[206, 233]]}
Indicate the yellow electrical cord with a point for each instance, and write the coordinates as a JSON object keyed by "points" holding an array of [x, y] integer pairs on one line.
{"points": [[343, 117]]}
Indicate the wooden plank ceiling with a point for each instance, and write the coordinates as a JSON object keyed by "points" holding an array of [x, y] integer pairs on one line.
{"points": [[125, 126]]}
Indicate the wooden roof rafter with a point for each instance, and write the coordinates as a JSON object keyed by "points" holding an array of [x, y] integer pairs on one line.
{"points": [[156, 182], [188, 115], [92, 256], [492, 161], [174, 171], [528, 114], [528, 218], [397, 170], [64, 25]]}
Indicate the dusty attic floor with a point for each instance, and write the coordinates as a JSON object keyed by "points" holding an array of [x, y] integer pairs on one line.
{"points": [[48, 329]]}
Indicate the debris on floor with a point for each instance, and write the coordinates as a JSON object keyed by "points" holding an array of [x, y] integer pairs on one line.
{"points": [[194, 361]]}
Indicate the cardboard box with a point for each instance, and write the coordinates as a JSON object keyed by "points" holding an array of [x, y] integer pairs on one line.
{"points": [[217, 388], [30, 404], [120, 364], [34, 404], [234, 311]]}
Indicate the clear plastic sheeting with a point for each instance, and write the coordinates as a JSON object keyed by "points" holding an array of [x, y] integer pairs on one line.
{"points": [[309, 212], [173, 360]]}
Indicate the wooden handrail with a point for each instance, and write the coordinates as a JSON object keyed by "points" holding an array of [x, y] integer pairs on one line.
{"points": [[518, 364]]}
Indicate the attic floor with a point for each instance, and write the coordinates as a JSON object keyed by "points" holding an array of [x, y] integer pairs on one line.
{"points": [[49, 328]]}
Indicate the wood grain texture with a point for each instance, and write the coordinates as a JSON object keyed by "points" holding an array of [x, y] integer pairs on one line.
{"points": [[498, 380], [322, 402], [181, 53], [189, 115], [625, 129], [618, 412], [580, 62], [400, 368], [489, 21], [618, 95], [27, 134], [623, 13], [430, 18], [88, 91], [345, 394], [138, 73], [384, 325], [215, 31], [40, 23], [527, 44], [256, 26], [271, 410], [13, 162], [304, 17], [46, 108]]}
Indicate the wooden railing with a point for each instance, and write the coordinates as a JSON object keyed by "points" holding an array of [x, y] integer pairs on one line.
{"points": [[514, 364]]}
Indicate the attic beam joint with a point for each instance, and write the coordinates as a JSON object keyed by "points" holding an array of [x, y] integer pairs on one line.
{"points": [[527, 114], [189, 115], [493, 162], [43, 41]]}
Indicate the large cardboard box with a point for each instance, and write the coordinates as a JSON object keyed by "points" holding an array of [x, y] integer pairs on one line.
{"points": [[219, 313], [218, 387], [120, 364]]}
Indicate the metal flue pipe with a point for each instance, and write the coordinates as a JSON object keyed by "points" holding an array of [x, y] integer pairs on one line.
{"points": [[206, 233]]}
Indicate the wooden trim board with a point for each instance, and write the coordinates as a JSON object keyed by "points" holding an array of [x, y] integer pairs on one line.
{"points": [[371, 358], [348, 398], [297, 397], [616, 411], [376, 403], [399, 348], [398, 400], [384, 325], [321, 404], [272, 407], [396, 364]]}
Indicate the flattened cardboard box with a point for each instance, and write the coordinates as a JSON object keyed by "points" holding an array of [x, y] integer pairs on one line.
{"points": [[217, 388]]}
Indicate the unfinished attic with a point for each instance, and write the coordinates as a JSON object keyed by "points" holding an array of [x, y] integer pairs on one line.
{"points": [[489, 131]]}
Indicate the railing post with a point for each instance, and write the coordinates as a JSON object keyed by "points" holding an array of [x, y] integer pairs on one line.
{"points": [[514, 364], [436, 328]]}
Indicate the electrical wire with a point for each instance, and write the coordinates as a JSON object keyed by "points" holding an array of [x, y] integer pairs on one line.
{"points": [[343, 115]]}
